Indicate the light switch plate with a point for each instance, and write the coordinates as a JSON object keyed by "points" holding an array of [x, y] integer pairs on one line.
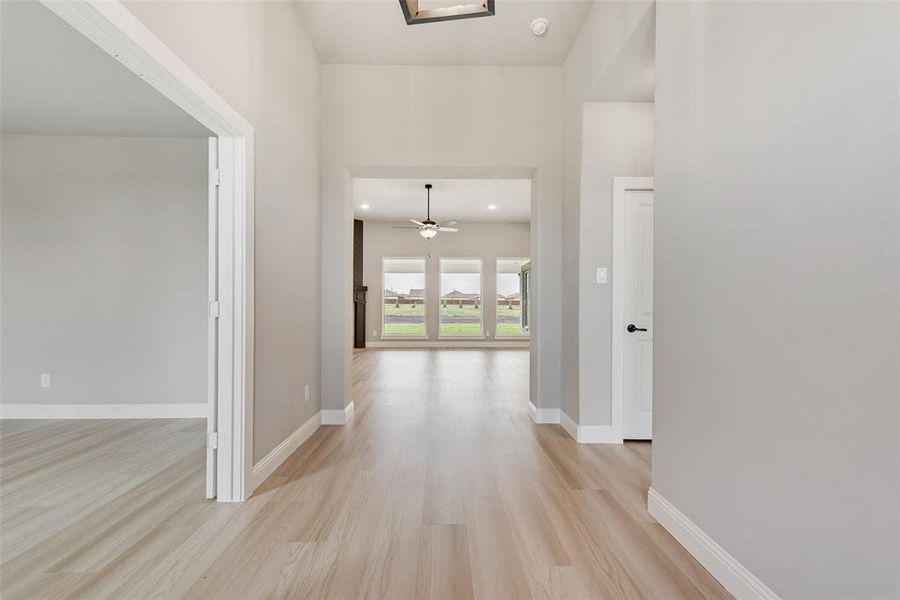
{"points": [[45, 380], [601, 275]]}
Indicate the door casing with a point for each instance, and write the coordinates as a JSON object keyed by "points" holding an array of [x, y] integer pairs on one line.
{"points": [[114, 29]]}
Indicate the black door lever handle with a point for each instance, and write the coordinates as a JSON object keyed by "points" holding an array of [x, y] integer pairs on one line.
{"points": [[631, 328]]}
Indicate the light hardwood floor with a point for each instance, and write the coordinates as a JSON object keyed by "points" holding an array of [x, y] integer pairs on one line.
{"points": [[440, 487]]}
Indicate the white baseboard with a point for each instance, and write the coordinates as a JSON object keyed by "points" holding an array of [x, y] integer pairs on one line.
{"points": [[588, 434], [543, 415], [597, 434], [454, 343], [733, 576], [568, 424], [337, 416], [282, 451], [104, 411], [583, 434]]}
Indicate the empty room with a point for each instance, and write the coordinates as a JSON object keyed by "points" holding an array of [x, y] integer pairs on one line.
{"points": [[438, 299], [105, 280]]}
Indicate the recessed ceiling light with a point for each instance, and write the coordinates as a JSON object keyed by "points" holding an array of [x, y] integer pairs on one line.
{"points": [[365, 206], [492, 207]]}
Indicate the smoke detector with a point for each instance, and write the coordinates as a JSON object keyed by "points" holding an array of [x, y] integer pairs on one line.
{"points": [[539, 26]]}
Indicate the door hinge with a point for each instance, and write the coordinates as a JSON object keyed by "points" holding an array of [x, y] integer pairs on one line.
{"points": [[212, 440], [215, 176], [215, 309]]}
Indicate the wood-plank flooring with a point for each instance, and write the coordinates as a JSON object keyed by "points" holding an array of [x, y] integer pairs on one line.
{"points": [[440, 487]]}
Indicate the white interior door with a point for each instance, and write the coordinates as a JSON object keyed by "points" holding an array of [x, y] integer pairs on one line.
{"points": [[638, 314]]}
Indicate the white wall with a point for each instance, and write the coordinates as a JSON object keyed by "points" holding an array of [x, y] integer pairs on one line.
{"points": [[617, 140], [258, 56], [777, 287], [104, 270], [469, 122], [487, 241], [606, 31]]}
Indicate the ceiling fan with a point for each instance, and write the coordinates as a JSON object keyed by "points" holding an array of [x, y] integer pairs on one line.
{"points": [[428, 228]]}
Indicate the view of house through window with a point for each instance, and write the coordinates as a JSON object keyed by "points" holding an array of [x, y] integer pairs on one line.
{"points": [[461, 297], [511, 295], [404, 296]]}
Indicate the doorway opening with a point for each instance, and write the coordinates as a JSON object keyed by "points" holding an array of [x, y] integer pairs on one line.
{"points": [[465, 285], [228, 164]]}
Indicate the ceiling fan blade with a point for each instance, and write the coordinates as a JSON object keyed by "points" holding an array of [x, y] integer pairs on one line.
{"points": [[448, 229], [419, 223], [450, 223], [405, 227]]}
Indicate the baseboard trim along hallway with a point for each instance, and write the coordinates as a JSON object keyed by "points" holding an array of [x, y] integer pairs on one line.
{"points": [[734, 577], [543, 415], [280, 453], [271, 461], [596, 434], [337, 416], [104, 411], [583, 434]]}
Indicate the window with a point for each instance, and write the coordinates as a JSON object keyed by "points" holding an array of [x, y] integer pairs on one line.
{"points": [[512, 295], [461, 301], [404, 297]]}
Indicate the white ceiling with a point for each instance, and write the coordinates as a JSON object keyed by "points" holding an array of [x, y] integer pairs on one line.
{"points": [[57, 82], [461, 199], [375, 32]]}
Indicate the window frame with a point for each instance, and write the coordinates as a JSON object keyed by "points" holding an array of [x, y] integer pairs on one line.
{"points": [[520, 336], [466, 336], [407, 336]]}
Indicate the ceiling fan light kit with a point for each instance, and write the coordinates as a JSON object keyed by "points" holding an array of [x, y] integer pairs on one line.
{"points": [[414, 14], [428, 228]]}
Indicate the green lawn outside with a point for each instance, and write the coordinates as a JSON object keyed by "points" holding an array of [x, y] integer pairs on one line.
{"points": [[407, 319], [460, 320], [509, 329], [405, 310], [460, 329], [455, 320], [404, 329], [509, 319], [454, 310]]}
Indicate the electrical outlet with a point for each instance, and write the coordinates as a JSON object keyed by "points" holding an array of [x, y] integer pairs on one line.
{"points": [[601, 275], [45, 380], [306, 393], [374, 333], [487, 334]]}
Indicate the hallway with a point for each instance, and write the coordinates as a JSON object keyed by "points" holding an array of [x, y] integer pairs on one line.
{"points": [[441, 486]]}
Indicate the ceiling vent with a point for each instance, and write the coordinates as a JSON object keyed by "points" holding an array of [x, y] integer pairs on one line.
{"points": [[420, 11]]}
